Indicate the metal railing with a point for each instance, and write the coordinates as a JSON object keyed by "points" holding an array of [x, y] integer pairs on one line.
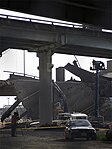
{"points": [[22, 74], [52, 22]]}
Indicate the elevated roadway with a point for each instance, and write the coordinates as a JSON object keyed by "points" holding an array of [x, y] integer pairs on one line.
{"points": [[85, 40]]}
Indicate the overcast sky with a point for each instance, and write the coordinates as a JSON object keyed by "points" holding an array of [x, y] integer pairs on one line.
{"points": [[12, 60]]}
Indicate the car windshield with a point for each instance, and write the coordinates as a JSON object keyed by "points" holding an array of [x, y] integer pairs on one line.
{"points": [[78, 123]]}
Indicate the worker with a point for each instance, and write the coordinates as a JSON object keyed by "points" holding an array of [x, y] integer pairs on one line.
{"points": [[14, 120]]}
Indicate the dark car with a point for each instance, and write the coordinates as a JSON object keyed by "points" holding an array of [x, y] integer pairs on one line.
{"points": [[79, 128]]}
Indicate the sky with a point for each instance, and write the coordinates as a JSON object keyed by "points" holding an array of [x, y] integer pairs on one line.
{"points": [[13, 60]]}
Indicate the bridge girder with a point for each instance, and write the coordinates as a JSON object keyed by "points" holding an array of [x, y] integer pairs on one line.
{"points": [[34, 36]]}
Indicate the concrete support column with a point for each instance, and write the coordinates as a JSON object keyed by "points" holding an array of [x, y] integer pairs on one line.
{"points": [[45, 75]]}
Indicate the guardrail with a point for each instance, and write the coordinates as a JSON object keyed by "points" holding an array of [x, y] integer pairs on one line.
{"points": [[22, 74], [41, 21], [54, 23]]}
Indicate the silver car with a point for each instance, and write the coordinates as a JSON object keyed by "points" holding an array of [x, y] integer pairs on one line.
{"points": [[79, 128]]}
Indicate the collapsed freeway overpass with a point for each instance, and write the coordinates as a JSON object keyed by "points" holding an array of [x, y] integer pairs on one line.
{"points": [[85, 39]]}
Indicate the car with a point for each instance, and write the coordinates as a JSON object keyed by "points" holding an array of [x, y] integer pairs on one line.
{"points": [[77, 115], [34, 124], [79, 128]]}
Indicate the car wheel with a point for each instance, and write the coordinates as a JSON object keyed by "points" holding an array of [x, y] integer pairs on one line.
{"points": [[109, 135], [93, 137], [88, 138]]}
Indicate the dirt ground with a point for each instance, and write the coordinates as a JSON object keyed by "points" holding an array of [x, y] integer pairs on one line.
{"points": [[46, 139]]}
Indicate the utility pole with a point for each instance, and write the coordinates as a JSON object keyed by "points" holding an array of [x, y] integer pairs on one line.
{"points": [[8, 101], [97, 65], [24, 62]]}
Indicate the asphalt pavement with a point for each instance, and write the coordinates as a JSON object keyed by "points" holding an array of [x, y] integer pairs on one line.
{"points": [[46, 139]]}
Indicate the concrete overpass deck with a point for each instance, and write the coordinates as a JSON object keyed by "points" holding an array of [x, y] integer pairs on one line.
{"points": [[69, 38]]}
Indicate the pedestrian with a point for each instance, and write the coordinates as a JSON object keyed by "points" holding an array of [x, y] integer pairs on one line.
{"points": [[14, 120]]}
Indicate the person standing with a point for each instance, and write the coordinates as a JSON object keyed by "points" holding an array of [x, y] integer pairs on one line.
{"points": [[14, 120]]}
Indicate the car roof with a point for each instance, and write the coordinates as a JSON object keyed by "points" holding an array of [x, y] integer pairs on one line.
{"points": [[79, 114], [78, 120]]}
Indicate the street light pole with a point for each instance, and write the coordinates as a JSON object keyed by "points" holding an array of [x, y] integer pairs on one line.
{"points": [[97, 65], [24, 62], [8, 101], [97, 94]]}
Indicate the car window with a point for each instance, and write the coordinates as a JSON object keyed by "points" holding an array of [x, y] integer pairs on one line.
{"points": [[81, 117], [80, 123]]}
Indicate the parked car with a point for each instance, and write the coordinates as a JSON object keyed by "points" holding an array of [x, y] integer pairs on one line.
{"points": [[79, 128], [34, 124]]}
